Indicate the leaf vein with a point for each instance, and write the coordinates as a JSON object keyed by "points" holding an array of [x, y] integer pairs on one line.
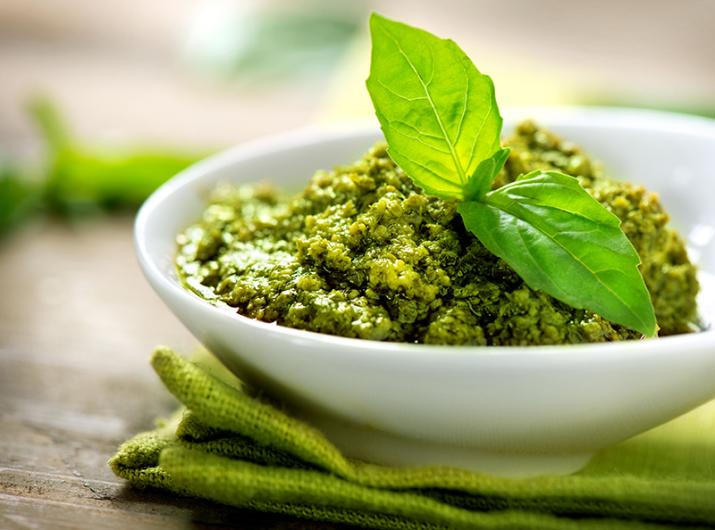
{"points": [[464, 106], [457, 163], [398, 95], [432, 171], [582, 264]]}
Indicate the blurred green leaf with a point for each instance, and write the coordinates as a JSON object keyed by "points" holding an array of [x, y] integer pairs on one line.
{"points": [[78, 180], [82, 180], [19, 197]]}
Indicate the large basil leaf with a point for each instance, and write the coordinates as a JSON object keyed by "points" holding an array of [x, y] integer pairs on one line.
{"points": [[560, 240], [437, 111]]}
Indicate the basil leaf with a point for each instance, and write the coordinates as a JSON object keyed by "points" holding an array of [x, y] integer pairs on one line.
{"points": [[437, 111], [487, 170], [562, 241], [442, 125]]}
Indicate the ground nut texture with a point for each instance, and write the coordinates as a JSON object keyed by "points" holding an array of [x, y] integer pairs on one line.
{"points": [[361, 252]]}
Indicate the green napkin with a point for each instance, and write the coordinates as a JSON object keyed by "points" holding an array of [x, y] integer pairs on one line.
{"points": [[231, 447]]}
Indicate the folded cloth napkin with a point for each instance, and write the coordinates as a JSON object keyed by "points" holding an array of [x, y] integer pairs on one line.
{"points": [[231, 447]]}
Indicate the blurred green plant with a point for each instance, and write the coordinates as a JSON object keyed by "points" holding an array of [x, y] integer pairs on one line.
{"points": [[19, 197], [78, 180]]}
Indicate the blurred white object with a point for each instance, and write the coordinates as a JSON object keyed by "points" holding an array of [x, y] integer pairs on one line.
{"points": [[268, 40], [219, 32]]}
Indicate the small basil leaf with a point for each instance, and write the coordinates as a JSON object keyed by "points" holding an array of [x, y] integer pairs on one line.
{"points": [[487, 170], [562, 241], [437, 111]]}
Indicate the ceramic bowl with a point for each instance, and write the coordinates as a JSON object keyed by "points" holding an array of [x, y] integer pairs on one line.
{"points": [[506, 410]]}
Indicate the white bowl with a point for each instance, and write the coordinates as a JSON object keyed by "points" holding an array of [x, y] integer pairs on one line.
{"points": [[506, 410]]}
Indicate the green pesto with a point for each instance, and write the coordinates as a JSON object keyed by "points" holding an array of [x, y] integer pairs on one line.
{"points": [[362, 252]]}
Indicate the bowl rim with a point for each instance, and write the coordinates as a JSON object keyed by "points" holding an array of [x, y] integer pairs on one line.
{"points": [[599, 117]]}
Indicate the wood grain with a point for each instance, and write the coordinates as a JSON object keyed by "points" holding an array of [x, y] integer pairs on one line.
{"points": [[77, 324]]}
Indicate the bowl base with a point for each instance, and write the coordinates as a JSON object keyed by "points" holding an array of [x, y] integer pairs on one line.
{"points": [[379, 447]]}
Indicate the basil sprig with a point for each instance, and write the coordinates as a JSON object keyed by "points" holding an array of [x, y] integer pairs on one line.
{"points": [[442, 125]]}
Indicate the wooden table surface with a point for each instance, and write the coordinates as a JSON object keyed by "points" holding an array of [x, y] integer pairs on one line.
{"points": [[77, 325]]}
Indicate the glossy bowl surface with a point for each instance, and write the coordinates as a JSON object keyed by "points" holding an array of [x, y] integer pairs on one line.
{"points": [[507, 410]]}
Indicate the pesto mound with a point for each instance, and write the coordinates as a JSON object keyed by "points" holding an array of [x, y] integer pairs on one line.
{"points": [[362, 252]]}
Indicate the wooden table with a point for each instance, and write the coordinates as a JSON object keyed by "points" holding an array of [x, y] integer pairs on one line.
{"points": [[77, 325]]}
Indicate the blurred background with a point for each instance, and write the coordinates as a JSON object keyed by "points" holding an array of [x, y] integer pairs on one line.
{"points": [[106, 99], [101, 101]]}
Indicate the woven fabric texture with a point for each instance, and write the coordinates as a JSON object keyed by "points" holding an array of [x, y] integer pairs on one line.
{"points": [[231, 447]]}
